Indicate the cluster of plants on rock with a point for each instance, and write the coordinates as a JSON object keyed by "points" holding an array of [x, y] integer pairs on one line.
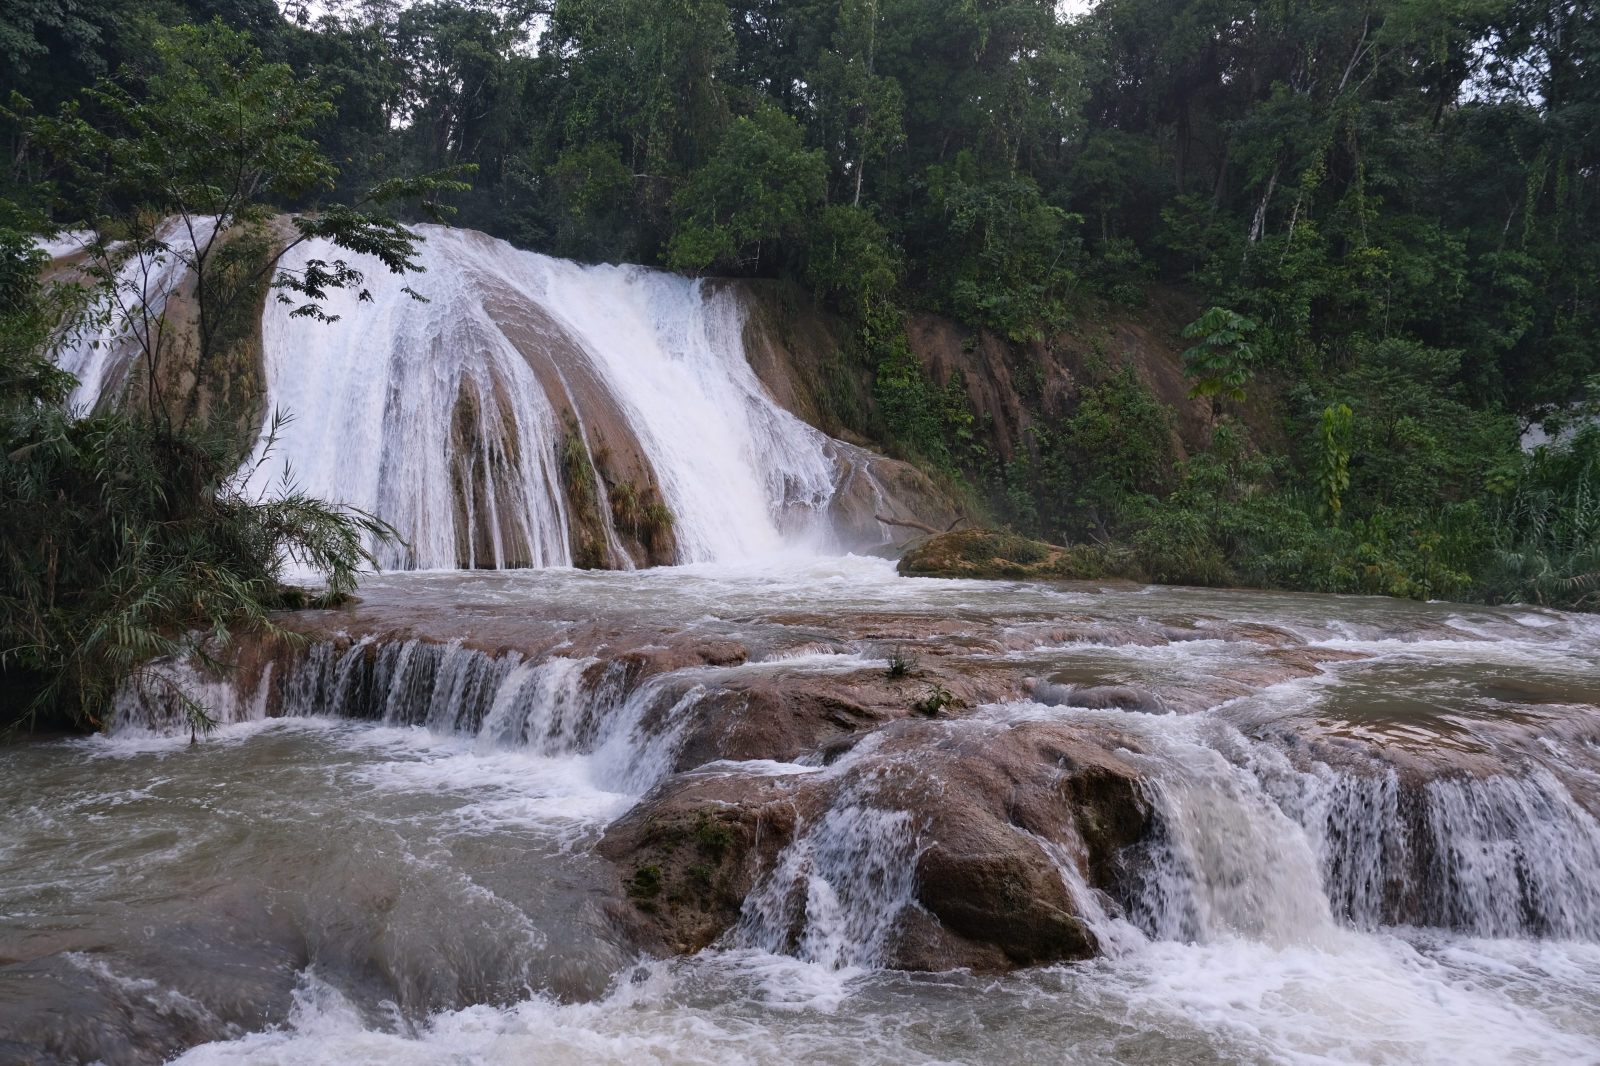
{"points": [[936, 699], [901, 664]]}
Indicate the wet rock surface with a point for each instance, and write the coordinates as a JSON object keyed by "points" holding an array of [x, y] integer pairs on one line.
{"points": [[769, 726], [971, 778], [997, 555], [1012, 828]]}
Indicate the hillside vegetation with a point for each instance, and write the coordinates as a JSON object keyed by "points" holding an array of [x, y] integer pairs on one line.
{"points": [[1370, 229]]}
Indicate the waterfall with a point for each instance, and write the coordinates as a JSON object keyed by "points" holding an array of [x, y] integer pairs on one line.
{"points": [[737, 470], [101, 353], [627, 728], [844, 882], [451, 418], [1248, 843], [525, 411]]}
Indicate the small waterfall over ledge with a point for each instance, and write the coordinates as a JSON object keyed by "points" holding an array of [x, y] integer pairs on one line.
{"points": [[533, 409], [1243, 841]]}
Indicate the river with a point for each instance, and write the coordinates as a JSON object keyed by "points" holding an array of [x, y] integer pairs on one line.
{"points": [[418, 886]]}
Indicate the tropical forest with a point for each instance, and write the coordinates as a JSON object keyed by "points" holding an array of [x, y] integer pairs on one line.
{"points": [[766, 531]]}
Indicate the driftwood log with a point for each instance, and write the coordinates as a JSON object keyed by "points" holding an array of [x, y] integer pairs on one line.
{"points": [[912, 524]]}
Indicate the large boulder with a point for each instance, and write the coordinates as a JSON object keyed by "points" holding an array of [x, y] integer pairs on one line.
{"points": [[996, 554], [1010, 831], [788, 715]]}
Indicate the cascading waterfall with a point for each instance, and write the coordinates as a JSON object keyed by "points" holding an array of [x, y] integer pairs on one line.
{"points": [[1497, 856], [425, 414], [843, 883], [738, 471], [557, 706], [1246, 843], [1249, 844], [99, 356], [449, 418], [495, 416]]}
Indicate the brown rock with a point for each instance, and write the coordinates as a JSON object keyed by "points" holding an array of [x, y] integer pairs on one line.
{"points": [[785, 715], [689, 852], [996, 809], [996, 555]]}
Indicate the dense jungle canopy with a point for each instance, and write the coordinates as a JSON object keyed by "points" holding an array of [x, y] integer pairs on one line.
{"points": [[1345, 174], [1391, 209]]}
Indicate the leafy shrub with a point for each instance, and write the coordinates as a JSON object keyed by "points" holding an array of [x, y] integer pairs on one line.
{"points": [[936, 700], [923, 419], [124, 542], [1547, 531], [1009, 259]]}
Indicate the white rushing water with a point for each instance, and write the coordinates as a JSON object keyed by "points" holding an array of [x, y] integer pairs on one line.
{"points": [[448, 416], [1234, 955], [374, 400], [739, 471], [1281, 912], [100, 354]]}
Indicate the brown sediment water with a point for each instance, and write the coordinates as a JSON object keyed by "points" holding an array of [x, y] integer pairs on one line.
{"points": [[1365, 831]]}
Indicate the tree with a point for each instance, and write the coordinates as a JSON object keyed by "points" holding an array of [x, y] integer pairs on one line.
{"points": [[127, 537], [861, 108], [638, 79], [757, 187], [1010, 258], [1221, 362]]}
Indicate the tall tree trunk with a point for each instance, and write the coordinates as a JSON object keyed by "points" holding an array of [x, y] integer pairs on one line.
{"points": [[1180, 151], [1258, 225], [1221, 186]]}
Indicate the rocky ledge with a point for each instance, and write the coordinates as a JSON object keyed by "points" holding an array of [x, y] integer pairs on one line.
{"points": [[1007, 835], [793, 756], [998, 555]]}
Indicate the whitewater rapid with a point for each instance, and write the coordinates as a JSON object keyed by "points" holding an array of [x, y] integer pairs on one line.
{"points": [[400, 870]]}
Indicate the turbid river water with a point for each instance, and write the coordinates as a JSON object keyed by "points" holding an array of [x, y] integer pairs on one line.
{"points": [[400, 868]]}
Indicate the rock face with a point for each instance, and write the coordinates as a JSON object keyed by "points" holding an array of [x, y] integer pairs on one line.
{"points": [[799, 351], [1014, 831], [908, 785]]}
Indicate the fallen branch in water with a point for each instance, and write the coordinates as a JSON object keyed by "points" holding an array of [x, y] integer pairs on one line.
{"points": [[913, 524]]}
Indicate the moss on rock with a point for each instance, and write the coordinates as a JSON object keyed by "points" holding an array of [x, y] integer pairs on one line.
{"points": [[1002, 555]]}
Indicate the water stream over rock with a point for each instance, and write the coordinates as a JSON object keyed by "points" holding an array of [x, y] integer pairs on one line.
{"points": [[1267, 828], [526, 411]]}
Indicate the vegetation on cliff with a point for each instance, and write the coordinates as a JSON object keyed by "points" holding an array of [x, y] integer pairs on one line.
{"points": [[128, 534], [1398, 198]]}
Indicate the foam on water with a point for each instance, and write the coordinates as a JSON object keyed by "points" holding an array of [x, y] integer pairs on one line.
{"points": [[1360, 999]]}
